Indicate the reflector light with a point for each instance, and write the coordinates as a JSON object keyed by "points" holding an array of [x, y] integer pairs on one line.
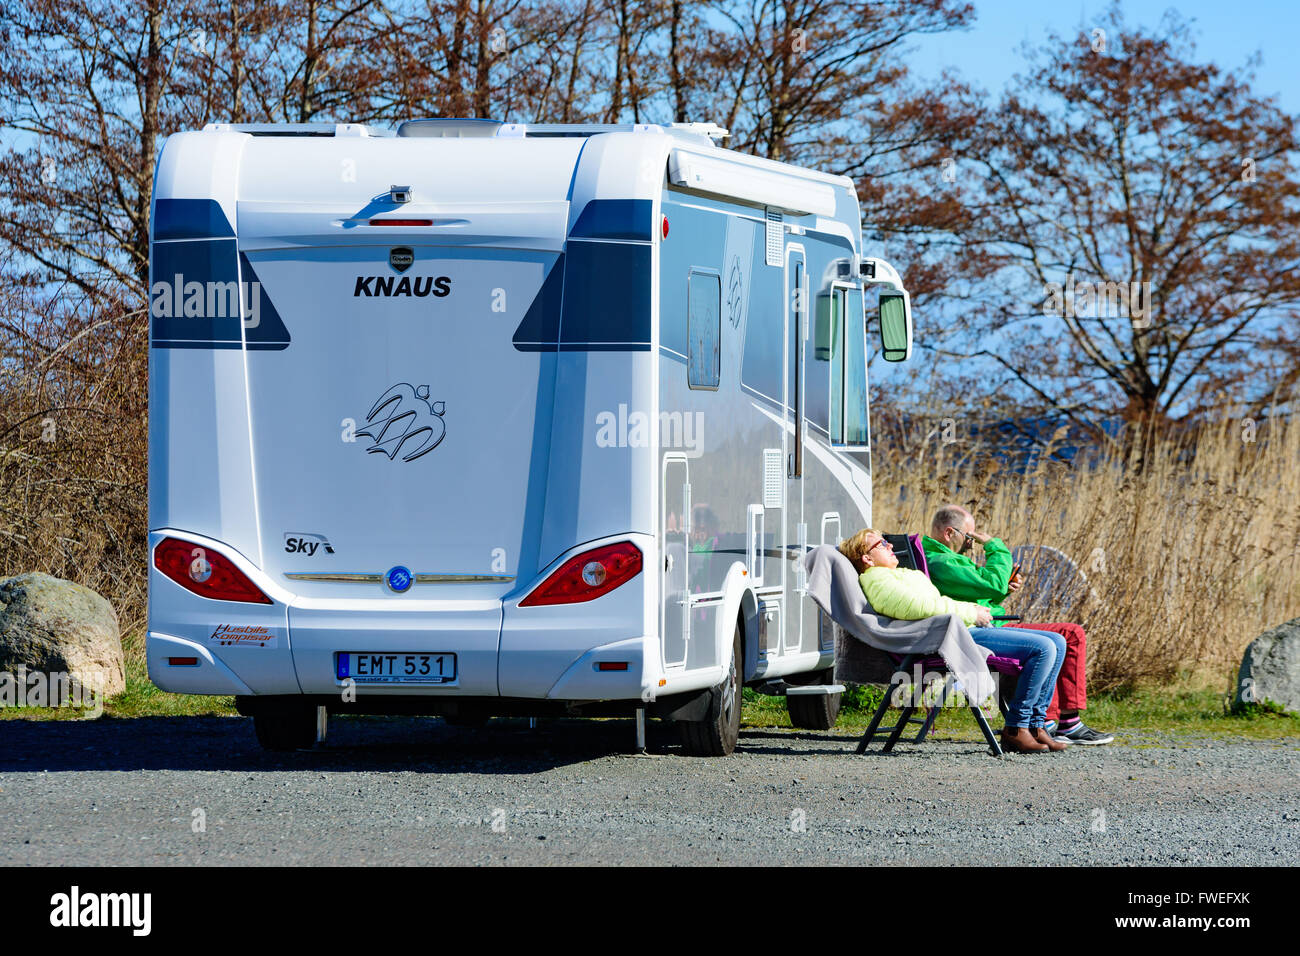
{"points": [[401, 222], [576, 580], [593, 572], [205, 572], [612, 666], [665, 219], [183, 661]]}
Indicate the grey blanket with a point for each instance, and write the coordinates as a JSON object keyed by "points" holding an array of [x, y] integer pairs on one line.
{"points": [[833, 586]]}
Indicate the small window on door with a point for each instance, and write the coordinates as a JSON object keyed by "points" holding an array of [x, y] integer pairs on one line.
{"points": [[704, 329], [847, 334]]}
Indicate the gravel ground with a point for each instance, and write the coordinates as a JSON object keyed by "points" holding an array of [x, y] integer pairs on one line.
{"points": [[416, 791]]}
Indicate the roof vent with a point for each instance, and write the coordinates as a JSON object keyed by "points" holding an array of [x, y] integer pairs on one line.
{"points": [[449, 128]]}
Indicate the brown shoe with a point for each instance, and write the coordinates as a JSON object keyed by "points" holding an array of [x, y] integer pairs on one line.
{"points": [[1018, 740], [1043, 737]]}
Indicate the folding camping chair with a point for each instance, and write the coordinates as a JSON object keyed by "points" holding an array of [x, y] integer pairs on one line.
{"points": [[907, 548], [1003, 666]]}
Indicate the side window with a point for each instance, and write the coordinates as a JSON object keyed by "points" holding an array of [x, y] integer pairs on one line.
{"points": [[834, 349], [817, 360], [848, 368], [855, 369], [704, 329]]}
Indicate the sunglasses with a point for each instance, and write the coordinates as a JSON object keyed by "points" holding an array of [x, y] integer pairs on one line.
{"points": [[874, 546]]}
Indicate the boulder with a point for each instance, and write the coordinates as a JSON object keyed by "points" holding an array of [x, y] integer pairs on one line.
{"points": [[1270, 668], [53, 626]]}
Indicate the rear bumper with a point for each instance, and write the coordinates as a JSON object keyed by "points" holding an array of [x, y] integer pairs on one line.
{"points": [[623, 675], [208, 675], [502, 650], [468, 629]]}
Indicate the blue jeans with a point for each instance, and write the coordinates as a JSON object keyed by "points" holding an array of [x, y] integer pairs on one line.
{"points": [[1041, 654]]}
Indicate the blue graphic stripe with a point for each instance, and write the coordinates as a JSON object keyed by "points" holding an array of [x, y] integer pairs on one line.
{"points": [[606, 296], [190, 219], [197, 299], [615, 219], [191, 344], [603, 347], [540, 328], [596, 298]]}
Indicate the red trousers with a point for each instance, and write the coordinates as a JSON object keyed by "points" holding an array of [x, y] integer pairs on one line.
{"points": [[1072, 684]]}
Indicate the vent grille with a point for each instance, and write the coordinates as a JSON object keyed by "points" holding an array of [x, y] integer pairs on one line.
{"points": [[775, 237], [773, 478]]}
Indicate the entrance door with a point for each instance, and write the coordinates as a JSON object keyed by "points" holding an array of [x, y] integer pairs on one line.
{"points": [[792, 516], [675, 520]]}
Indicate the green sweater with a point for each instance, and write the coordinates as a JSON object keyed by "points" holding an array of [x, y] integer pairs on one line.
{"points": [[908, 595], [961, 579]]}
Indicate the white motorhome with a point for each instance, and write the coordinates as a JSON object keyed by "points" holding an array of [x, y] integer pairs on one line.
{"points": [[487, 419]]}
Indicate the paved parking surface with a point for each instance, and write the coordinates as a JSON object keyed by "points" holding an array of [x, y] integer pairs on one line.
{"points": [[415, 791]]}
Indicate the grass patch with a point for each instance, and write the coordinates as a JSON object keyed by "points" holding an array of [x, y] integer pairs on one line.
{"points": [[143, 699], [140, 699], [1192, 705]]}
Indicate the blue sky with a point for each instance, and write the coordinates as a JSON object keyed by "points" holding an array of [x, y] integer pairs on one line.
{"points": [[1227, 33], [989, 54]]}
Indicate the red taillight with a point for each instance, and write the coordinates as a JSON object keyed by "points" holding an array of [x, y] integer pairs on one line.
{"points": [[205, 572], [665, 218], [401, 222], [588, 576]]}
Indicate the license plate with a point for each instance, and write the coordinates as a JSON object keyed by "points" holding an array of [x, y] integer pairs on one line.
{"points": [[397, 668]]}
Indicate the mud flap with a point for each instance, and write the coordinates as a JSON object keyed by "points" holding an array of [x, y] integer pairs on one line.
{"points": [[695, 705]]}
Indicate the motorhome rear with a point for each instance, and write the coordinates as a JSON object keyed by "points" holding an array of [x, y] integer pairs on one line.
{"points": [[482, 419]]}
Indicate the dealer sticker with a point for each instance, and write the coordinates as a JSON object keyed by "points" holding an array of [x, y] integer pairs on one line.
{"points": [[243, 635]]}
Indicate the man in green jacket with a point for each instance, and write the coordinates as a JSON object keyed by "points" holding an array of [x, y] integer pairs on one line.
{"points": [[957, 576]]}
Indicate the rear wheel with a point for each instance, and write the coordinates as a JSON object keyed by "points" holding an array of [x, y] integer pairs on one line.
{"points": [[813, 711], [286, 726], [716, 736]]}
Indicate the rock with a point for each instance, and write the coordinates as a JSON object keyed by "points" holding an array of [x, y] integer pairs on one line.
{"points": [[53, 626], [1270, 668]]}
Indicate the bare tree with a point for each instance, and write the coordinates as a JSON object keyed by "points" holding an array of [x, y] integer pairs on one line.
{"points": [[87, 86], [793, 69], [1144, 214]]}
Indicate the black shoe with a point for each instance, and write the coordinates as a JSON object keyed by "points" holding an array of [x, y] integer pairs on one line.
{"points": [[1081, 733]]}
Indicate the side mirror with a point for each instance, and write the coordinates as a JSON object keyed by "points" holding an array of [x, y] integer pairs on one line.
{"points": [[895, 326]]}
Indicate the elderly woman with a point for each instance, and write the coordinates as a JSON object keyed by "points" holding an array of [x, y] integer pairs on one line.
{"points": [[908, 595]]}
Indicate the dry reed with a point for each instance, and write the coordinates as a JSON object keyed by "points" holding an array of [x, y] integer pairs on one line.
{"points": [[1186, 560]]}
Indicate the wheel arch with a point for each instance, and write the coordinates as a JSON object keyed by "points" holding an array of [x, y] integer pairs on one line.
{"points": [[740, 603]]}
